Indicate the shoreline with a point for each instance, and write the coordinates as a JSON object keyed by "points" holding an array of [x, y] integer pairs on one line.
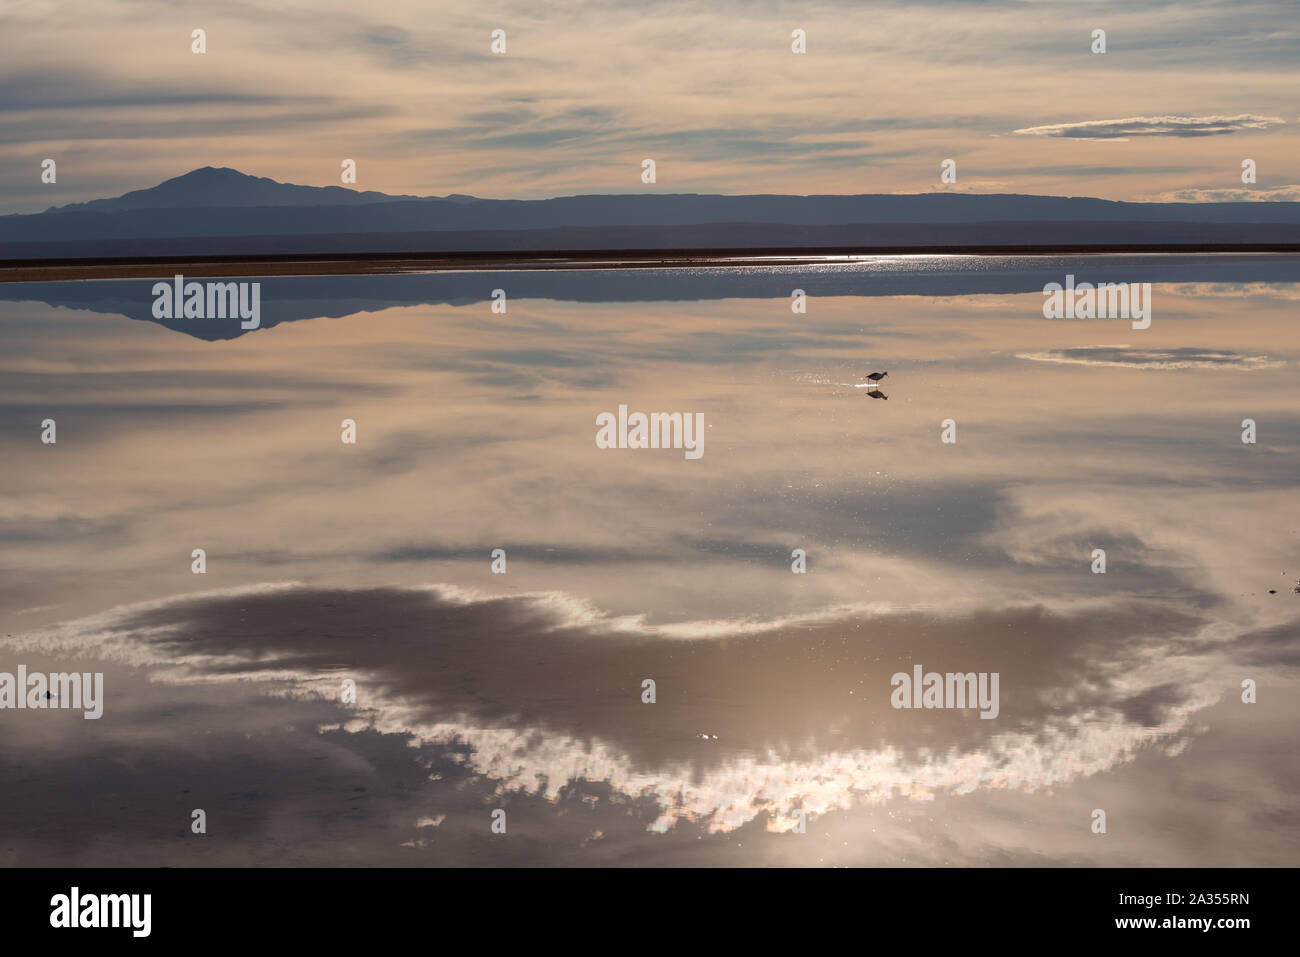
{"points": [[165, 267]]}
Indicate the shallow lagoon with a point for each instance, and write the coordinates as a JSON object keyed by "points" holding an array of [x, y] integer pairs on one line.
{"points": [[475, 691]]}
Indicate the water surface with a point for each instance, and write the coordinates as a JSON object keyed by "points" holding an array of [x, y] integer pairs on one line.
{"points": [[523, 691]]}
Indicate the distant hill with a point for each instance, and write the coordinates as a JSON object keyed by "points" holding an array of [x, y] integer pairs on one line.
{"points": [[221, 186], [224, 211]]}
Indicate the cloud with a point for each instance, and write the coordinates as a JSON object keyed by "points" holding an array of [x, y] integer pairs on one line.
{"points": [[1134, 126], [1238, 290], [1263, 194], [804, 722], [1122, 357], [1278, 645], [972, 186], [42, 90]]}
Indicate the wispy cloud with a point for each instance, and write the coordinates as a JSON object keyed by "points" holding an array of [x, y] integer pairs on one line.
{"points": [[1263, 194], [1122, 357], [1238, 290], [1133, 126]]}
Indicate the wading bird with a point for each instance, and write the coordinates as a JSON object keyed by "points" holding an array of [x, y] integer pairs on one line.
{"points": [[876, 376]]}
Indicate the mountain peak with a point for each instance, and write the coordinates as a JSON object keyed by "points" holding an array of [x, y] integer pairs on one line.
{"points": [[214, 173]]}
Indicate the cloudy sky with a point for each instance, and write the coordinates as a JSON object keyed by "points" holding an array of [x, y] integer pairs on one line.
{"points": [[586, 91]]}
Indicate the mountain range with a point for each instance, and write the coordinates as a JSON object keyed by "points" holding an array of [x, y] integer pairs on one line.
{"points": [[220, 211]]}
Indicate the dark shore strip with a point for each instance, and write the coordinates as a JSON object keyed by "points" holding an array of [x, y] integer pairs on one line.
{"points": [[164, 267]]}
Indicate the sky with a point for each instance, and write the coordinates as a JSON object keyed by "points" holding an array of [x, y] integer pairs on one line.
{"points": [[713, 93]]}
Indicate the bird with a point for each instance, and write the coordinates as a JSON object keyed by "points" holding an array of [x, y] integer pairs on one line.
{"points": [[876, 376]]}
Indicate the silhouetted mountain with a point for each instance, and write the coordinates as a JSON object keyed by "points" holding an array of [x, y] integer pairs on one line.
{"points": [[221, 186], [226, 212]]}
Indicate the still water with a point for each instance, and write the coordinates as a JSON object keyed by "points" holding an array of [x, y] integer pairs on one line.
{"points": [[519, 683]]}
